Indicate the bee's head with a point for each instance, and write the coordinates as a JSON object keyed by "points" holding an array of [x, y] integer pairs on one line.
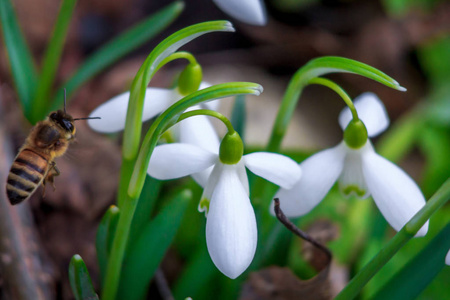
{"points": [[64, 120]]}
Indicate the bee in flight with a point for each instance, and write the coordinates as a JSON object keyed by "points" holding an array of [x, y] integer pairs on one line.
{"points": [[34, 164]]}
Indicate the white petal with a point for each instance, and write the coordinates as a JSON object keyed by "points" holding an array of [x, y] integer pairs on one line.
{"points": [[351, 181], [202, 177], [248, 11], [113, 112], [276, 168], [177, 160], [199, 131], [210, 185], [371, 111], [319, 173], [231, 233], [447, 258], [397, 196]]}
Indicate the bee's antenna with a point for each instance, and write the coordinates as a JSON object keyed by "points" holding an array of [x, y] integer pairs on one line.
{"points": [[64, 100], [86, 118]]}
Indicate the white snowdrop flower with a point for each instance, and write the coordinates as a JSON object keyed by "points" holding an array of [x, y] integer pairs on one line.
{"points": [[359, 171], [231, 233], [252, 12]]}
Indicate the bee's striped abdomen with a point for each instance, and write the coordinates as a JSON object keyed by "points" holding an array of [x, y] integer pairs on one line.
{"points": [[27, 172]]}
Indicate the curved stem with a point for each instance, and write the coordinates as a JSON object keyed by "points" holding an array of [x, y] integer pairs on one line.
{"points": [[207, 112], [177, 55], [340, 91], [396, 243]]}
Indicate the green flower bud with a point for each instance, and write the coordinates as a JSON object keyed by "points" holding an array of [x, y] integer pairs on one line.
{"points": [[231, 149], [190, 79], [355, 135]]}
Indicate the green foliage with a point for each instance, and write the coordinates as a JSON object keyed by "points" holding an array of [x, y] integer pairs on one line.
{"points": [[146, 252], [80, 281], [35, 88]]}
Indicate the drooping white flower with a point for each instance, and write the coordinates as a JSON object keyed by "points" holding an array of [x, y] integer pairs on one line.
{"points": [[361, 172], [447, 258], [231, 233], [248, 11]]}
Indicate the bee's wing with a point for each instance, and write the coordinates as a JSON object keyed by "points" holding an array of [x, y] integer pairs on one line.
{"points": [[47, 135]]}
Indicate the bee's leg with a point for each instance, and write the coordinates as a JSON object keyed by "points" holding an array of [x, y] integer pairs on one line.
{"points": [[52, 172]]}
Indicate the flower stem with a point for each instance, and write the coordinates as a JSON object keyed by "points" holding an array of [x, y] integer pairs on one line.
{"points": [[177, 55], [207, 112], [396, 243], [340, 91]]}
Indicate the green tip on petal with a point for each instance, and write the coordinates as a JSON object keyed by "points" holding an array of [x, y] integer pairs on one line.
{"points": [[355, 134], [190, 79], [231, 149], [203, 206]]}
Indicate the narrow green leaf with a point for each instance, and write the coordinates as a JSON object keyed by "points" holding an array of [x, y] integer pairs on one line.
{"points": [[80, 281], [105, 235], [410, 281], [145, 206], [51, 61], [238, 115], [19, 56], [119, 47], [146, 253]]}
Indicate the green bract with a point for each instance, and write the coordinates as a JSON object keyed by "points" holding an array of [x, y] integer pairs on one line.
{"points": [[355, 134], [231, 149], [190, 79]]}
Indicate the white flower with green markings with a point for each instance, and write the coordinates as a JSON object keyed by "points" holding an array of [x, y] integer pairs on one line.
{"points": [[252, 12], [359, 170], [231, 233]]}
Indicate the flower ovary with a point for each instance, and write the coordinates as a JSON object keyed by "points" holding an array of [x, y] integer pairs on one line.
{"points": [[231, 149], [190, 79], [355, 134]]}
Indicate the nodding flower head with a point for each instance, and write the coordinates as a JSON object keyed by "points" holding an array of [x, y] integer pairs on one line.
{"points": [[359, 170]]}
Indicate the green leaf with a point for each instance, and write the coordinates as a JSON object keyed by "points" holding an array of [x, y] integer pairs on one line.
{"points": [[435, 60], [105, 235], [19, 56], [80, 281], [145, 206], [146, 253], [119, 47], [51, 61], [238, 115], [412, 279]]}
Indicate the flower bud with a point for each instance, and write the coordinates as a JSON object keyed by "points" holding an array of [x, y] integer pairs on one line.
{"points": [[190, 79], [231, 149], [355, 134]]}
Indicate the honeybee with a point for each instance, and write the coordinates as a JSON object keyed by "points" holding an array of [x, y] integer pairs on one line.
{"points": [[34, 164]]}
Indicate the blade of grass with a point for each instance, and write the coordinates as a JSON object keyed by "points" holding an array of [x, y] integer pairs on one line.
{"points": [[105, 234], [238, 115], [117, 48], [146, 254], [19, 56], [51, 60], [80, 281], [410, 281]]}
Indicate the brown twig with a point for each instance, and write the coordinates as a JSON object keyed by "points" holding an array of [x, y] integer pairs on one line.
{"points": [[289, 225], [162, 285]]}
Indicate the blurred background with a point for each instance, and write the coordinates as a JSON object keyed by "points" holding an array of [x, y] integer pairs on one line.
{"points": [[406, 39]]}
